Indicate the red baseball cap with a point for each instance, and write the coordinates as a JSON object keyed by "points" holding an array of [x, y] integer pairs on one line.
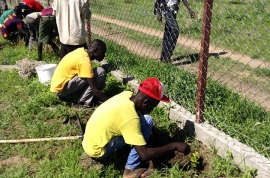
{"points": [[154, 88]]}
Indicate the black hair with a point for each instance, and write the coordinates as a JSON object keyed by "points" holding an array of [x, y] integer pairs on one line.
{"points": [[17, 10], [97, 43]]}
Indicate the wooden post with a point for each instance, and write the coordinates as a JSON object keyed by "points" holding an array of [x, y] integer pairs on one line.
{"points": [[204, 54]]}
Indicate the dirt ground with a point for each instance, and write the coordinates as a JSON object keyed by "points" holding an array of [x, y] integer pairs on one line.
{"points": [[161, 137], [253, 92], [2, 106], [203, 162], [15, 161], [190, 43]]}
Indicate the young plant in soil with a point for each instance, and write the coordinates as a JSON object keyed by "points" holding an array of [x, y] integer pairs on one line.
{"points": [[194, 157]]}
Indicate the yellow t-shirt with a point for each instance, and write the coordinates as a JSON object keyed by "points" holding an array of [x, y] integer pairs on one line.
{"points": [[115, 117], [74, 63]]}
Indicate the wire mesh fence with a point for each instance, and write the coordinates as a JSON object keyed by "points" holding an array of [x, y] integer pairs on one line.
{"points": [[237, 91]]}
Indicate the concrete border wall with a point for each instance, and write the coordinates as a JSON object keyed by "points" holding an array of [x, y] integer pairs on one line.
{"points": [[243, 155]]}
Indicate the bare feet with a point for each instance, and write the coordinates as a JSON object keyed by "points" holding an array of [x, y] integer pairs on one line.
{"points": [[136, 173]]}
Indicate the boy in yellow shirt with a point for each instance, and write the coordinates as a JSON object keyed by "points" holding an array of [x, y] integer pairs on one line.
{"points": [[75, 76], [123, 120]]}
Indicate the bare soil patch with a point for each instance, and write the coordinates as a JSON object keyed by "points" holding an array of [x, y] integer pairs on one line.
{"points": [[161, 137], [15, 161], [2, 106], [7, 67], [203, 162]]}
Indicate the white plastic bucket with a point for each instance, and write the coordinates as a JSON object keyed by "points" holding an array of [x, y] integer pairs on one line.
{"points": [[45, 72]]}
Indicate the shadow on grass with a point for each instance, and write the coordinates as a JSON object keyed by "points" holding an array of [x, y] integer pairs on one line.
{"points": [[194, 58], [6, 44]]}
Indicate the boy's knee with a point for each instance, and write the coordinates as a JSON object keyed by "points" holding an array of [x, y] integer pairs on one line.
{"points": [[100, 77], [149, 120], [146, 126], [101, 72]]}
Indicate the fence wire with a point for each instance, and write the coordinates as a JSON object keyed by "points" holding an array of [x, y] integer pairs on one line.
{"points": [[238, 72], [238, 58]]}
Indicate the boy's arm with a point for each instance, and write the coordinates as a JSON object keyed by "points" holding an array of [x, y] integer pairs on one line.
{"points": [[95, 90], [192, 14], [147, 153]]}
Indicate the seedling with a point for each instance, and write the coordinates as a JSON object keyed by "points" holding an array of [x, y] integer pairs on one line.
{"points": [[251, 172], [194, 159]]}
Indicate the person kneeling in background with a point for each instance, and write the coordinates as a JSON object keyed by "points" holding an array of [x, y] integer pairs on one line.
{"points": [[13, 28], [5, 15], [74, 75], [32, 21]]}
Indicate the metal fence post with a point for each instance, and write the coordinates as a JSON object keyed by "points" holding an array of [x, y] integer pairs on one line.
{"points": [[204, 53]]}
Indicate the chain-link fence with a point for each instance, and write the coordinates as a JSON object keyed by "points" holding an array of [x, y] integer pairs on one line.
{"points": [[237, 94]]}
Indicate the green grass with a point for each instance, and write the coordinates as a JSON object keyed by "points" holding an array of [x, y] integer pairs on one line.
{"points": [[240, 27], [10, 53], [31, 117], [217, 65], [263, 72], [29, 110]]}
